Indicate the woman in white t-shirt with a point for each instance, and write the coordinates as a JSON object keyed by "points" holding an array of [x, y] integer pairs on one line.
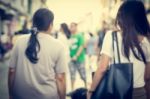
{"points": [[133, 45], [64, 36], [38, 62]]}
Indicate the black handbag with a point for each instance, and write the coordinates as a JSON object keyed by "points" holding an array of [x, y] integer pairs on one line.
{"points": [[117, 82]]}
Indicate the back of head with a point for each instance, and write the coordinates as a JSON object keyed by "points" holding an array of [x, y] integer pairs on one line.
{"points": [[132, 20], [42, 20], [132, 15], [66, 30], [91, 34]]}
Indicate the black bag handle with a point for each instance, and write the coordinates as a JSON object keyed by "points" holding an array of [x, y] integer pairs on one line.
{"points": [[115, 38]]}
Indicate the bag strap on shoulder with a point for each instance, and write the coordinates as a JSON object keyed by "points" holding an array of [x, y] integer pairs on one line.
{"points": [[115, 39]]}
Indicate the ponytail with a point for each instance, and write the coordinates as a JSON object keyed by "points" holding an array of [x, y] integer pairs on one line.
{"points": [[33, 47], [42, 19]]}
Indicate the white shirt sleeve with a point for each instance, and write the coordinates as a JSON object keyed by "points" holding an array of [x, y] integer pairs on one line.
{"points": [[14, 57], [61, 63], [107, 45]]}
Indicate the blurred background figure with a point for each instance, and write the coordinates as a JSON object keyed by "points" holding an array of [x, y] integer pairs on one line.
{"points": [[5, 46], [148, 15], [101, 34], [64, 36], [2, 51], [64, 29], [91, 51], [77, 54], [25, 29]]}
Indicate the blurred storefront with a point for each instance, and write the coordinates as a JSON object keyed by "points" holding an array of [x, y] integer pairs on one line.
{"points": [[147, 3], [110, 8], [17, 10], [13, 14]]}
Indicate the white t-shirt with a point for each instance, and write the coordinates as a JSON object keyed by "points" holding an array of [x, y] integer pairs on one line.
{"points": [[62, 37], [37, 81], [138, 66]]}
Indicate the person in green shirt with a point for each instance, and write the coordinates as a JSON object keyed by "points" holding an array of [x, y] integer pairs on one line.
{"points": [[77, 54]]}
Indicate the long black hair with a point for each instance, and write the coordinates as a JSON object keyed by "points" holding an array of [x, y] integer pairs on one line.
{"points": [[132, 20], [66, 30], [42, 20]]}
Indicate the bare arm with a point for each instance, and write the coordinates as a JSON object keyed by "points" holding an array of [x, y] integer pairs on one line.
{"points": [[10, 81], [103, 65], [82, 45], [61, 85], [80, 50], [78, 53]]}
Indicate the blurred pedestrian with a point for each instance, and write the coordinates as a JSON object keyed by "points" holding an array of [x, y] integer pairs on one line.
{"points": [[64, 29], [5, 46], [2, 51], [133, 45], [37, 64], [77, 54], [148, 15], [101, 34], [25, 29], [91, 50], [64, 36], [20, 33]]}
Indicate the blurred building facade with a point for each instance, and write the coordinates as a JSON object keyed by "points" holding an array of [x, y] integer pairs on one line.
{"points": [[110, 8], [14, 12]]}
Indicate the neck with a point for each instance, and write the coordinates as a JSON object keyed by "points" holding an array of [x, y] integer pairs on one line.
{"points": [[140, 38], [74, 32]]}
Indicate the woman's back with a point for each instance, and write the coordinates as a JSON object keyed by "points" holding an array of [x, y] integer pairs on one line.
{"points": [[37, 81], [138, 66]]}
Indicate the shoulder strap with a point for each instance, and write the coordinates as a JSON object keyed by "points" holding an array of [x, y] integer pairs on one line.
{"points": [[115, 39]]}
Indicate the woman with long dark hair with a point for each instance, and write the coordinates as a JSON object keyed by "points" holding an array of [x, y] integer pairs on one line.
{"points": [[64, 29], [37, 64], [134, 47], [64, 37]]}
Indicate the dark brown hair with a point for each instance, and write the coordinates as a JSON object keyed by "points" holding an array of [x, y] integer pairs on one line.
{"points": [[132, 20], [41, 22]]}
